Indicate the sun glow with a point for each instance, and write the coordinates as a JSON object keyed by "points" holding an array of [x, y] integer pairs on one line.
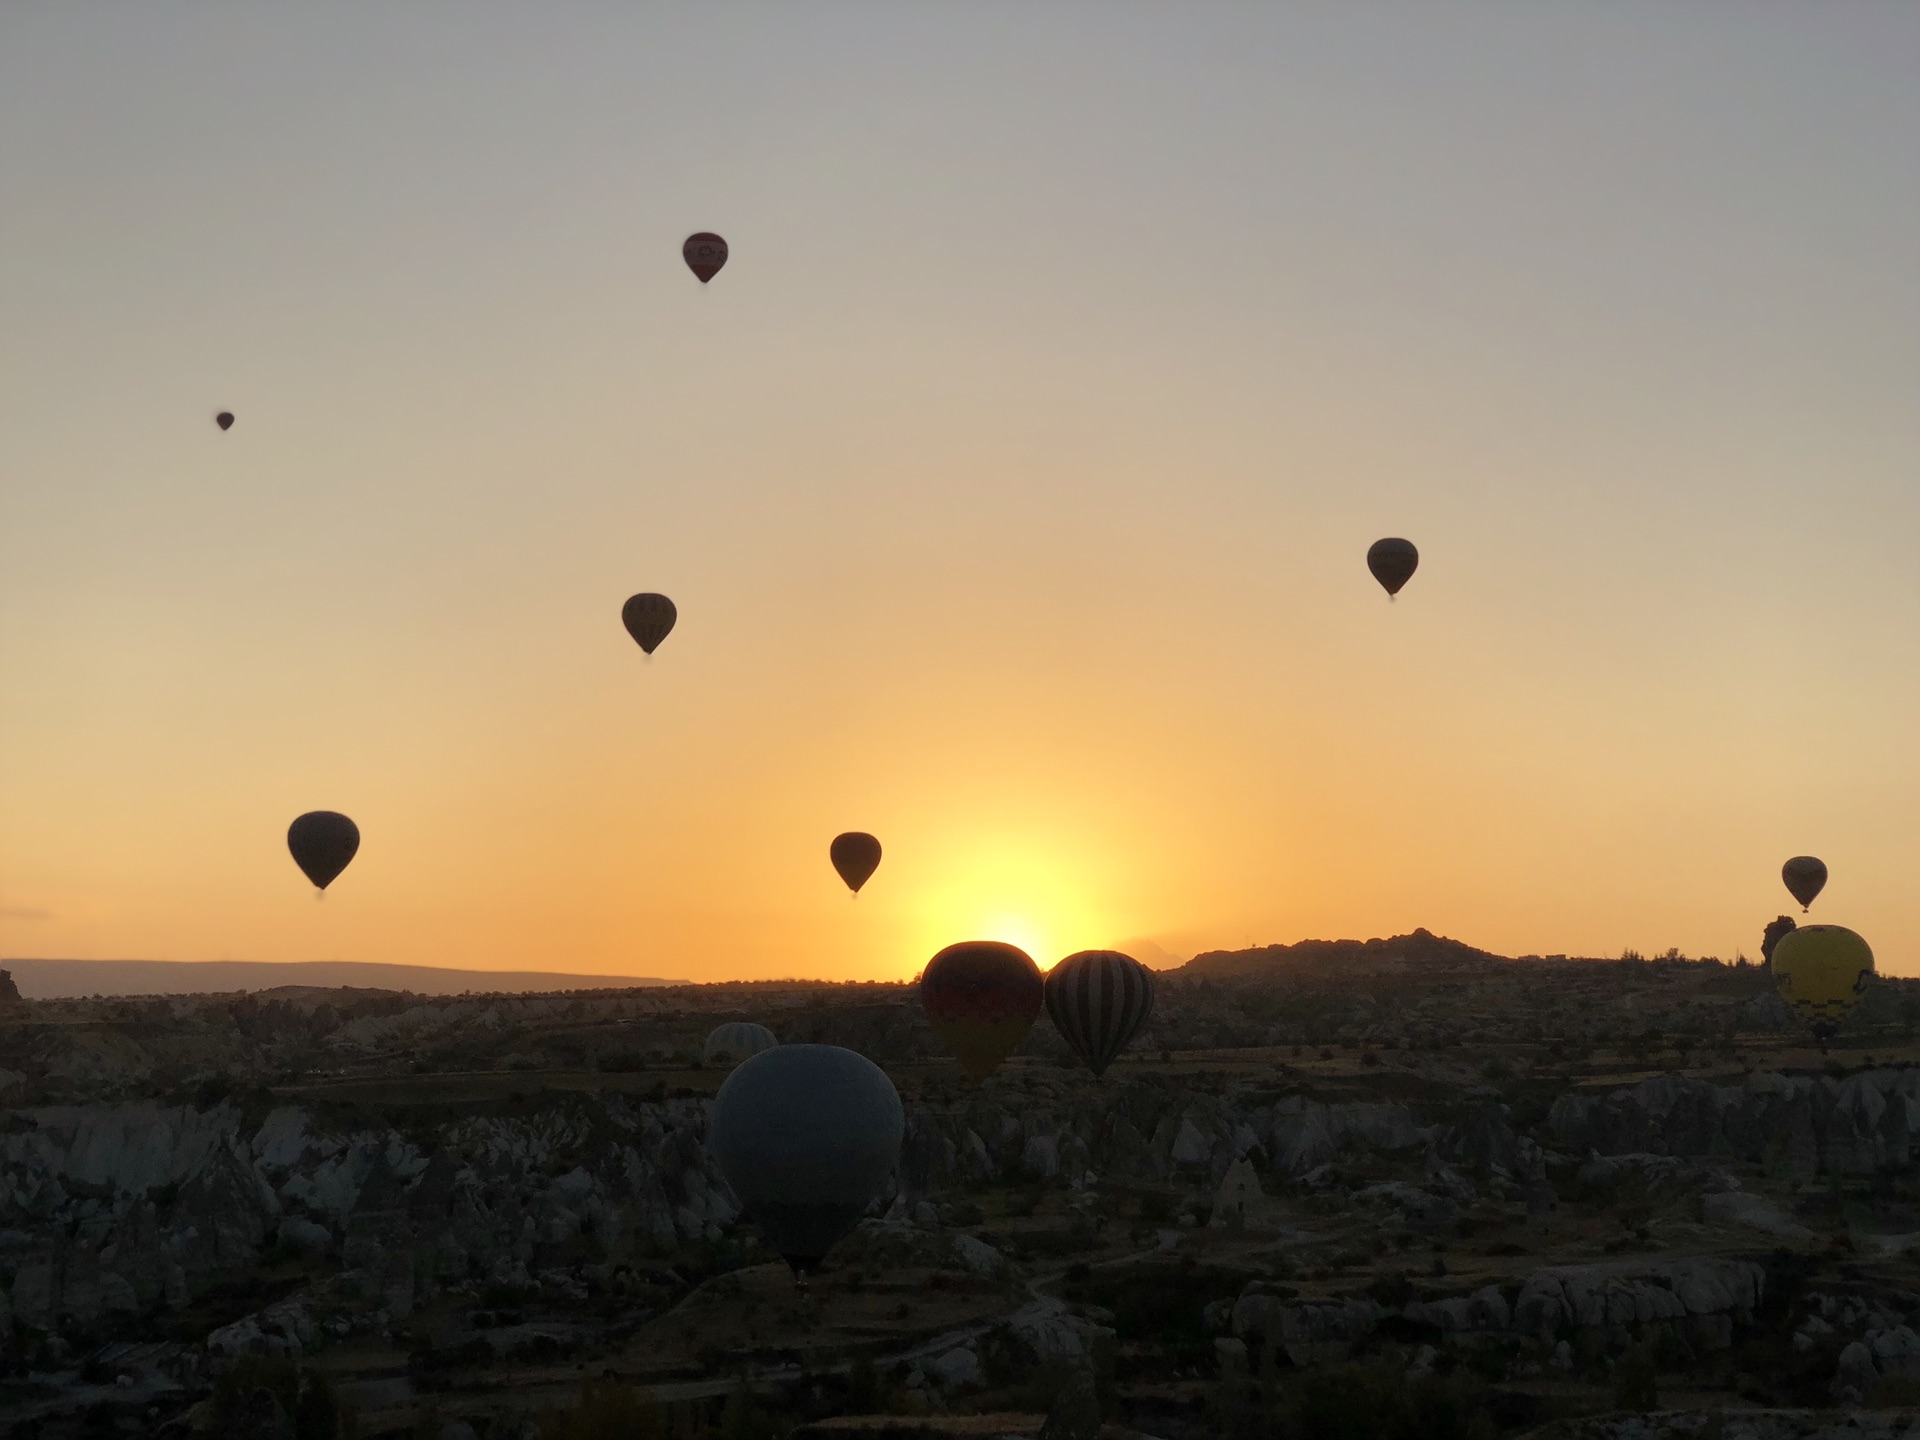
{"points": [[1020, 893], [1037, 940]]}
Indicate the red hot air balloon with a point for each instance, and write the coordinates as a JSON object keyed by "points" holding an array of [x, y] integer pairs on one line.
{"points": [[856, 855], [1098, 1000], [981, 998], [1805, 877], [705, 253], [224, 419], [1392, 563], [649, 619], [322, 842]]}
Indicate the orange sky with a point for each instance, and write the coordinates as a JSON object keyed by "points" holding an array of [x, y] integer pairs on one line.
{"points": [[1013, 480]]}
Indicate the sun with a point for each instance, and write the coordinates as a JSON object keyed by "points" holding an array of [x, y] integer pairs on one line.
{"points": [[1034, 938], [1049, 887], [1042, 919]]}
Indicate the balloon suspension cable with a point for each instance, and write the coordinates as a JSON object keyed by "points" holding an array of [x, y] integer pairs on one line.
{"points": [[318, 893]]}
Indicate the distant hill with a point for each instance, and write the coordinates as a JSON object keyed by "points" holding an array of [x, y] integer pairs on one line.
{"points": [[1421, 949], [54, 979]]}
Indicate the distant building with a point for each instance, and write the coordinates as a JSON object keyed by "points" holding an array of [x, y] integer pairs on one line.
{"points": [[1238, 1197]]}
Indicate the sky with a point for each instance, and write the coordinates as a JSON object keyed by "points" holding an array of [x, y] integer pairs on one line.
{"points": [[1013, 481]]}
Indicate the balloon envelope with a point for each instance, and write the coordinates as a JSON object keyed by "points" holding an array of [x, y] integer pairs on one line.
{"points": [[807, 1136], [649, 619], [981, 998], [1392, 563], [1805, 878], [856, 855], [224, 419], [704, 253], [322, 842], [735, 1041], [1098, 1000], [1821, 971]]}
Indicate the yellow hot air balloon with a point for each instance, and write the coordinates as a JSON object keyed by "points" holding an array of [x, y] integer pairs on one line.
{"points": [[1821, 971]]}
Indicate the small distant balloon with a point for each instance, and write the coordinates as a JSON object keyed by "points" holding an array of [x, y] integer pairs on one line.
{"points": [[224, 419], [1821, 972], [981, 997], [1392, 562], [856, 855], [735, 1041], [705, 253], [323, 842], [1805, 878], [649, 619]]}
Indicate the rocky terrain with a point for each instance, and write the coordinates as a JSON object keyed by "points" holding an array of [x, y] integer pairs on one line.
{"points": [[1397, 1188]]}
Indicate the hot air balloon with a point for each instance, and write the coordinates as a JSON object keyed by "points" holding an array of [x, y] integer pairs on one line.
{"points": [[807, 1136], [649, 619], [224, 419], [735, 1041], [856, 855], [1099, 999], [705, 253], [1805, 878], [1392, 563], [322, 843], [1821, 971], [981, 997]]}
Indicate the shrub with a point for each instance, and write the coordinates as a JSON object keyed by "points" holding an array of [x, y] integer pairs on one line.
{"points": [[271, 1391], [607, 1410], [1360, 1402], [1635, 1384]]}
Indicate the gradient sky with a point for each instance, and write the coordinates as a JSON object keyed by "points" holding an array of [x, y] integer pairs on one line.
{"points": [[1013, 480]]}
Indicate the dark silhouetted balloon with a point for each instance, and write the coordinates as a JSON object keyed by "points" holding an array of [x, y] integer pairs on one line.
{"points": [[856, 855], [322, 843], [649, 619], [807, 1136], [736, 1040], [1098, 1000], [981, 998], [1392, 563], [1805, 878], [1821, 972], [224, 419], [705, 253]]}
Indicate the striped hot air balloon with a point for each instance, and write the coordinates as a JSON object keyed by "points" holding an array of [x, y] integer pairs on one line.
{"points": [[1099, 999]]}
